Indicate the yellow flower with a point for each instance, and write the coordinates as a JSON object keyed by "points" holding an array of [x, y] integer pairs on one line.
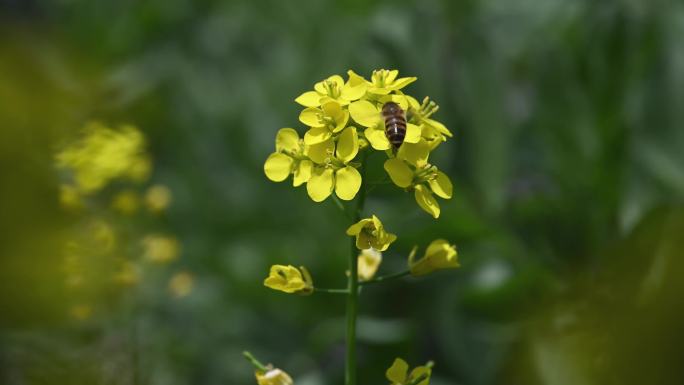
{"points": [[289, 279], [330, 119], [424, 179], [369, 115], [181, 284], [439, 255], [385, 81], [432, 131], [104, 154], [126, 202], [333, 170], [157, 198], [369, 232], [273, 377], [288, 159], [369, 262], [160, 249], [336, 89], [398, 373]]}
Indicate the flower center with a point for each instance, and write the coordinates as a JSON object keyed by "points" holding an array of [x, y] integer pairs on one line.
{"points": [[332, 89]]}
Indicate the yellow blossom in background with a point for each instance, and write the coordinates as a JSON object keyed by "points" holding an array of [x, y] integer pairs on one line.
{"points": [[128, 274], [160, 248], [288, 159], [81, 312], [369, 232], [158, 198], [126, 202], [369, 262], [439, 255], [181, 284], [69, 197], [273, 377], [289, 279], [103, 154], [398, 373]]}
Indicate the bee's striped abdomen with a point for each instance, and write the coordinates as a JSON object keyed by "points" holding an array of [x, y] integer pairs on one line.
{"points": [[395, 123]]}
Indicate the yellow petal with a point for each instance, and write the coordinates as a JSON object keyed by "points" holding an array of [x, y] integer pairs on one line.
{"points": [[317, 135], [415, 153], [353, 92], [342, 123], [426, 201], [287, 139], [400, 99], [333, 109], [441, 185], [400, 173], [401, 83], [347, 183], [413, 103], [365, 113], [419, 371], [356, 228], [397, 372], [347, 145], [377, 139], [368, 262], [320, 185], [439, 127], [391, 75], [278, 167], [412, 133], [320, 152], [309, 116], [309, 99], [337, 79], [302, 172]]}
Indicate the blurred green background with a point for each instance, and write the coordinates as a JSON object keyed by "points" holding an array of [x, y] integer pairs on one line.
{"points": [[567, 163]]}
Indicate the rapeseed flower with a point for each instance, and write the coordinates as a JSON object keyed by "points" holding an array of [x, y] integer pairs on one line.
{"points": [[439, 255], [181, 284], [333, 169], [334, 88], [157, 198], [273, 377], [424, 179], [325, 121], [370, 232], [289, 279], [289, 158], [160, 248], [432, 131], [398, 373]]}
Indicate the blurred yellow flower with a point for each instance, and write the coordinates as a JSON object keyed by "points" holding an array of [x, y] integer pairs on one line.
{"points": [[369, 232], [273, 377], [158, 198], [181, 284], [289, 279], [126, 202], [128, 274], [369, 262], [103, 154], [81, 312], [288, 159], [439, 255], [398, 373], [160, 248], [69, 197]]}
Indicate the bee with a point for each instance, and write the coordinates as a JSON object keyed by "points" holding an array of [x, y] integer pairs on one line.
{"points": [[395, 123]]}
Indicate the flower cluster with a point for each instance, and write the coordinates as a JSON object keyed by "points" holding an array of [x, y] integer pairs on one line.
{"points": [[344, 120]]}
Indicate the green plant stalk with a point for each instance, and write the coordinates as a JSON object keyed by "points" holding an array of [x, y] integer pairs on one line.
{"points": [[353, 288]]}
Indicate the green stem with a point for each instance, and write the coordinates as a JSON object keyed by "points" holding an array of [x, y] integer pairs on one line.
{"points": [[353, 288], [257, 364], [386, 277], [331, 291]]}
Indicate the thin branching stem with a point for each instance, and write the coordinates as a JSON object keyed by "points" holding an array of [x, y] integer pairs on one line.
{"points": [[386, 277], [257, 364], [331, 291]]}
